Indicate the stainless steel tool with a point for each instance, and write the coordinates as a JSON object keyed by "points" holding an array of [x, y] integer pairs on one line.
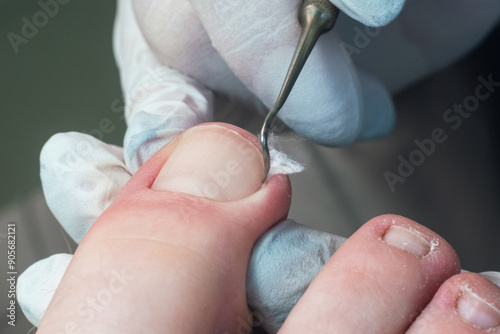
{"points": [[316, 17]]}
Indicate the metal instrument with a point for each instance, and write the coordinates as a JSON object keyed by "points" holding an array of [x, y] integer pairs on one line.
{"points": [[316, 17]]}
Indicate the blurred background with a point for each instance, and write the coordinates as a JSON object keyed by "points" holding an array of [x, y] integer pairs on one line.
{"points": [[64, 79]]}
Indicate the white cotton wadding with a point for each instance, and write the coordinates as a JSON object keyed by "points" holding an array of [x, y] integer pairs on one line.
{"points": [[282, 163]]}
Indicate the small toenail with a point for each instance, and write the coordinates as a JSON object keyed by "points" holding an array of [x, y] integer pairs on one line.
{"points": [[407, 240], [477, 311]]}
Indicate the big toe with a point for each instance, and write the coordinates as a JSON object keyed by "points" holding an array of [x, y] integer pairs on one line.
{"points": [[176, 240]]}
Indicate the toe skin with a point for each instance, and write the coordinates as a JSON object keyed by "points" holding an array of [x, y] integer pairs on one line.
{"points": [[375, 283]]}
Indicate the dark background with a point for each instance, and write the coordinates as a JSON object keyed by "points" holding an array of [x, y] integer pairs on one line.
{"points": [[63, 79]]}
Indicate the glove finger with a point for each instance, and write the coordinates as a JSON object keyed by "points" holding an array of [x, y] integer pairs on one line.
{"points": [[284, 262], [493, 276], [379, 115], [182, 43], [257, 40], [171, 105], [133, 56], [159, 102], [373, 13], [80, 178], [37, 284]]}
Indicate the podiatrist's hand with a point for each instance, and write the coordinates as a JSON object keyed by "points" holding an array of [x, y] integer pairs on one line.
{"points": [[243, 48], [170, 255]]}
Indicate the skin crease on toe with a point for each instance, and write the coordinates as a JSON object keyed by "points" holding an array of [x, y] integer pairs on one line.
{"points": [[377, 282], [171, 254]]}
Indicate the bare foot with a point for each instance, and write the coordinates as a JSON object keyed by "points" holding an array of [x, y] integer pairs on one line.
{"points": [[385, 275], [170, 255]]}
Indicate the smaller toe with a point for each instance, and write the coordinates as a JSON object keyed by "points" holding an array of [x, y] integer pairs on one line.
{"points": [[467, 303]]}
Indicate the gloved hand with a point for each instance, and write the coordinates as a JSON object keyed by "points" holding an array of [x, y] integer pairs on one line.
{"points": [[243, 49]]}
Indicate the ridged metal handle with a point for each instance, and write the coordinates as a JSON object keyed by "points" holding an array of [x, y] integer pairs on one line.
{"points": [[316, 17]]}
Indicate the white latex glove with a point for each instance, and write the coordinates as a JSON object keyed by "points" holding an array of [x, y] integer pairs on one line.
{"points": [[243, 49]]}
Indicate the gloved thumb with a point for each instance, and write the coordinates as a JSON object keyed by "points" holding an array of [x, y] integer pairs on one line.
{"points": [[36, 285]]}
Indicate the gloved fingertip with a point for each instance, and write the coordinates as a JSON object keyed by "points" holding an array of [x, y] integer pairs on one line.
{"points": [[80, 177], [284, 262], [67, 151], [53, 150], [148, 133], [37, 284], [324, 105], [379, 116], [372, 13]]}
